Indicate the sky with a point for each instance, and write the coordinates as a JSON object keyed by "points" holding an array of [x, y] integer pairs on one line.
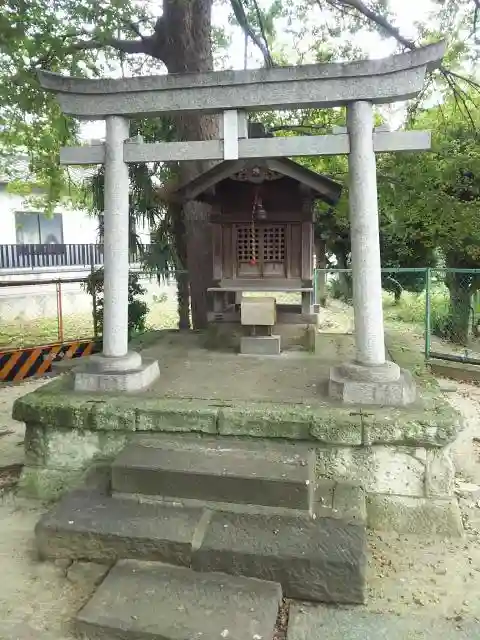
{"points": [[405, 13]]}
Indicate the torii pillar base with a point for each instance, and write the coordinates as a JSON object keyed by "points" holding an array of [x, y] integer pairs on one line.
{"points": [[385, 385], [125, 374]]}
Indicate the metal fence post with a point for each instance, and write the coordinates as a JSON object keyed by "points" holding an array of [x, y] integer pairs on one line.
{"points": [[59, 310], [94, 294], [427, 311]]}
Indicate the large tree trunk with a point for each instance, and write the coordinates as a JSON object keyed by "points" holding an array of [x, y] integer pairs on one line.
{"points": [[187, 49], [183, 289], [345, 278], [460, 306]]}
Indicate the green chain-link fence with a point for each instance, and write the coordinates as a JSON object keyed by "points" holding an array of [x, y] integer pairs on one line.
{"points": [[440, 308]]}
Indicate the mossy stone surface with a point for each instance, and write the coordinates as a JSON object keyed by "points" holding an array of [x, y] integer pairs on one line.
{"points": [[68, 431], [48, 484], [430, 423]]}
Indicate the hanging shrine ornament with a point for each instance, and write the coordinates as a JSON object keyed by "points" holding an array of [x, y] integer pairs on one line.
{"points": [[257, 175], [253, 246], [258, 212]]}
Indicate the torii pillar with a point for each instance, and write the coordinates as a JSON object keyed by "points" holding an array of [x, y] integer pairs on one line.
{"points": [[117, 368], [371, 378]]}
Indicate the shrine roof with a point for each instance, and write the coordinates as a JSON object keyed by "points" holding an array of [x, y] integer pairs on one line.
{"points": [[201, 188]]}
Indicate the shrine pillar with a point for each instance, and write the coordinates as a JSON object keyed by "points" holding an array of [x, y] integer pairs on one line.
{"points": [[365, 239]]}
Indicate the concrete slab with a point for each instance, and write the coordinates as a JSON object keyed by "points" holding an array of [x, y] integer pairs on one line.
{"points": [[313, 622], [242, 476], [161, 602], [386, 80], [86, 572], [322, 560], [455, 370], [260, 345], [88, 525]]}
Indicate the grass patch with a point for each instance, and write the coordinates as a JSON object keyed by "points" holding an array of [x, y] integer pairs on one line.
{"points": [[29, 333], [412, 306], [163, 315]]}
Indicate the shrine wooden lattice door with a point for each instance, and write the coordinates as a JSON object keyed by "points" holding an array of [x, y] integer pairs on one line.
{"points": [[261, 250]]}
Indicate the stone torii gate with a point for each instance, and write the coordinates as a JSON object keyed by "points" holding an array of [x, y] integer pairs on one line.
{"points": [[358, 86]]}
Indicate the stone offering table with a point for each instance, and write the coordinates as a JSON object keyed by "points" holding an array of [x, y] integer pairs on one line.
{"points": [[258, 313]]}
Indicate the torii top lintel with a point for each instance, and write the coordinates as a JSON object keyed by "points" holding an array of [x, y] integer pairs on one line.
{"points": [[391, 79]]}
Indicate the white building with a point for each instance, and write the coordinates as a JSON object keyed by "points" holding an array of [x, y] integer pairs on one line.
{"points": [[35, 247]]}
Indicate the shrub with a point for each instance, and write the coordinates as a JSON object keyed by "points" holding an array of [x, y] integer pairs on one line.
{"points": [[412, 308], [137, 309]]}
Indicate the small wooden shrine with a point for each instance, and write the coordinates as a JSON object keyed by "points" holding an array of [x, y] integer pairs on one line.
{"points": [[262, 227]]}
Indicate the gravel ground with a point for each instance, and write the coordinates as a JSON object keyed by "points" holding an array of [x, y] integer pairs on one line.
{"points": [[408, 575]]}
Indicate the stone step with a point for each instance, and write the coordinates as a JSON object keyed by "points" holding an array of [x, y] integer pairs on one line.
{"points": [[321, 559], [163, 602], [86, 525], [217, 473]]}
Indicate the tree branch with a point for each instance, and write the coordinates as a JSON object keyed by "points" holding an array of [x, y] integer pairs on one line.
{"points": [[450, 77], [374, 17], [476, 15], [125, 46], [151, 45], [136, 30], [242, 20], [262, 27]]}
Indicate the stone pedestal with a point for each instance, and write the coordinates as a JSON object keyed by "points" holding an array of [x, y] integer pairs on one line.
{"points": [[127, 373], [260, 345], [386, 385]]}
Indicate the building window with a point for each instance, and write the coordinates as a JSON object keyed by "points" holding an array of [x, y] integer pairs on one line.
{"points": [[37, 228]]}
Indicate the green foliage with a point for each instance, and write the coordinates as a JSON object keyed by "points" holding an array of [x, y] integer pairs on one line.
{"points": [[45, 34], [395, 254], [441, 321], [412, 307], [137, 308], [434, 207], [436, 204], [146, 206], [339, 287]]}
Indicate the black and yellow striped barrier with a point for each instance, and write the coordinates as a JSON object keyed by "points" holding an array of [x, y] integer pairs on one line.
{"points": [[18, 364]]}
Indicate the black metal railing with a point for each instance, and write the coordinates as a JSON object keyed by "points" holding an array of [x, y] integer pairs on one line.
{"points": [[31, 256]]}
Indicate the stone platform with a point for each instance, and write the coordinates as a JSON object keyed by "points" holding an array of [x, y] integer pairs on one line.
{"points": [[399, 456]]}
